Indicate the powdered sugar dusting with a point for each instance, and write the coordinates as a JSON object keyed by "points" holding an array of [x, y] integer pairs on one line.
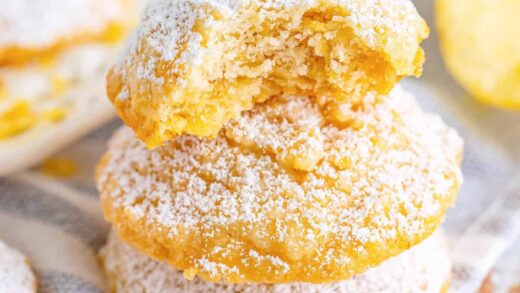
{"points": [[41, 23], [15, 274], [166, 32], [361, 188], [423, 268]]}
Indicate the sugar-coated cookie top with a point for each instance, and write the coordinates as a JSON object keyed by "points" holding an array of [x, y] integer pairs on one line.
{"points": [[193, 65], [15, 274], [282, 194], [167, 26]]}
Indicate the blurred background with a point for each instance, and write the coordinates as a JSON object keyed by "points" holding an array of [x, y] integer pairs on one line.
{"points": [[492, 140]]}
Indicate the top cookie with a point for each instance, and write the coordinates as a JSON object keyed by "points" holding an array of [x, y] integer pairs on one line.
{"points": [[192, 65], [31, 28]]}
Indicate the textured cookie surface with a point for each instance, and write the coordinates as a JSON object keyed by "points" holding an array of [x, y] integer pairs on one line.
{"points": [[284, 195], [34, 28], [193, 65], [481, 47], [15, 274], [423, 268]]}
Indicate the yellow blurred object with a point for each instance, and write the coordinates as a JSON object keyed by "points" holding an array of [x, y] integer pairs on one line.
{"points": [[59, 85], [55, 114], [16, 119], [59, 167], [480, 41], [47, 62], [3, 91], [114, 32]]}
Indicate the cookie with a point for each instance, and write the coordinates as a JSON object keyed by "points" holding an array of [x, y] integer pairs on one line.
{"points": [[192, 66], [283, 194], [56, 93], [16, 275]]}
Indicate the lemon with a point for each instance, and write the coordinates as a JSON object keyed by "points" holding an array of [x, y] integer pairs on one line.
{"points": [[480, 41]]}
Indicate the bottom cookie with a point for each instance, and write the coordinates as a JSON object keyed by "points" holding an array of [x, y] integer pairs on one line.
{"points": [[423, 268], [16, 275]]}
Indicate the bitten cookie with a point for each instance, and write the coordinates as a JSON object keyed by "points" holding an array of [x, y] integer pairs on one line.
{"points": [[283, 194], [194, 65]]}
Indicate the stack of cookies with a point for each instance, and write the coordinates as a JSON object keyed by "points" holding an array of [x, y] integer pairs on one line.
{"points": [[270, 150]]}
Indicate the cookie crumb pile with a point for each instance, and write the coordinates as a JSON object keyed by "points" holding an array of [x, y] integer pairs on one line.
{"points": [[269, 143]]}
